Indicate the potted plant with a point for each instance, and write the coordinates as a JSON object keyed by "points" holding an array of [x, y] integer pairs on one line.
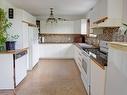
{"points": [[4, 25], [10, 45]]}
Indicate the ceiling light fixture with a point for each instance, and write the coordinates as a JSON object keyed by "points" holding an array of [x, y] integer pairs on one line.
{"points": [[51, 18]]}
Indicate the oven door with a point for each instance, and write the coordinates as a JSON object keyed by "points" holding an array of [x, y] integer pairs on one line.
{"points": [[85, 74]]}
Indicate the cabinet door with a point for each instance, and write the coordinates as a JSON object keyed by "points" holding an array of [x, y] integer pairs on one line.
{"points": [[97, 79], [83, 26], [65, 27], [56, 51], [78, 58], [77, 26], [25, 35], [20, 69]]}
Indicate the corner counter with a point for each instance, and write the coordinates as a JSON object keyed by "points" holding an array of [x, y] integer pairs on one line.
{"points": [[118, 45]]}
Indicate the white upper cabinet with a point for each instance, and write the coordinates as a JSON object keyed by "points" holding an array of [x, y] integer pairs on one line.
{"points": [[80, 26], [84, 26], [64, 27], [77, 26]]}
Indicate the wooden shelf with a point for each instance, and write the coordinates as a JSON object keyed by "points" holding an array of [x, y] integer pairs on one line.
{"points": [[100, 20], [30, 24]]}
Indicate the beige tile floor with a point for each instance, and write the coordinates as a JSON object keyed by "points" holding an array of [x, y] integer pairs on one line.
{"points": [[52, 77]]}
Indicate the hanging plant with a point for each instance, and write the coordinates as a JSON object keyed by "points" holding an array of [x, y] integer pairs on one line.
{"points": [[4, 25]]}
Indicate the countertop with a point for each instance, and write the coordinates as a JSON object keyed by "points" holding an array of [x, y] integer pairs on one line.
{"points": [[119, 45], [101, 62], [56, 43], [13, 51]]}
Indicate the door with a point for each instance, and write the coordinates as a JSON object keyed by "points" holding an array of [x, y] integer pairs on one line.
{"points": [[33, 47], [25, 35]]}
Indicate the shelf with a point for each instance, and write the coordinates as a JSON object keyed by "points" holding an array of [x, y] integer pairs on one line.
{"points": [[30, 24]]}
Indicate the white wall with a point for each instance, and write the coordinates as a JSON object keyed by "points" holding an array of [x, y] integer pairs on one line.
{"points": [[110, 8], [17, 25], [100, 10], [115, 8], [16, 22], [125, 11]]}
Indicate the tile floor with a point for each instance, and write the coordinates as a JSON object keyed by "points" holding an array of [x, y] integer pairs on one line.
{"points": [[52, 77]]}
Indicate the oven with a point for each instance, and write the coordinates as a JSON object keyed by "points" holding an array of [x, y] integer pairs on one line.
{"points": [[85, 74]]}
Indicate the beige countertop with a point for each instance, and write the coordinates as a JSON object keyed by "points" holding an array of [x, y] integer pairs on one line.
{"points": [[119, 45], [57, 43], [12, 51]]}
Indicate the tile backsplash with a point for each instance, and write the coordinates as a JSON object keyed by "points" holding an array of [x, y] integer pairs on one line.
{"points": [[109, 34], [60, 38]]}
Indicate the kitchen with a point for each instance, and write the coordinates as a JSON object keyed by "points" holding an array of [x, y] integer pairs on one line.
{"points": [[73, 55]]}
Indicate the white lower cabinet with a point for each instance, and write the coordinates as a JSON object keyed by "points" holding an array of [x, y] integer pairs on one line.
{"points": [[97, 79], [78, 57], [6, 71], [20, 69], [56, 51]]}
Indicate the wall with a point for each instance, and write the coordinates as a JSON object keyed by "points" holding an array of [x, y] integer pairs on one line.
{"points": [[16, 22], [98, 11], [114, 8], [110, 8], [17, 25], [125, 11]]}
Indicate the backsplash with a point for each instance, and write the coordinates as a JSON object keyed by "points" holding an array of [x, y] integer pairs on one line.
{"points": [[60, 38], [109, 34]]}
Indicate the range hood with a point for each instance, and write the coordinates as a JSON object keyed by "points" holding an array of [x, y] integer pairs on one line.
{"points": [[107, 22]]}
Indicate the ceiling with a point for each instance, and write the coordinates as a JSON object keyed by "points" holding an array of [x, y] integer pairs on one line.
{"points": [[61, 7]]}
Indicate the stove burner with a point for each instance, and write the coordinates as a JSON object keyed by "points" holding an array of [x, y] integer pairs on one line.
{"points": [[96, 51]]}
